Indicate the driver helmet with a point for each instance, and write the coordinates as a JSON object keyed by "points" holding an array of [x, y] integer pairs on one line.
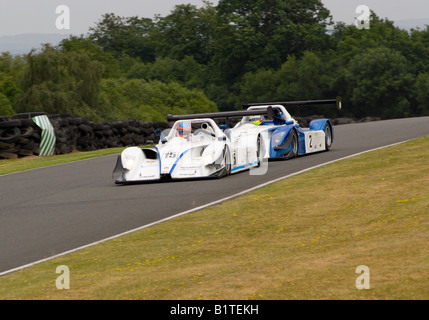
{"points": [[184, 129], [255, 120]]}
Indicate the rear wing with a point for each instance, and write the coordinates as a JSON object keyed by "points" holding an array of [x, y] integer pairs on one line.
{"points": [[263, 111], [337, 102], [222, 114]]}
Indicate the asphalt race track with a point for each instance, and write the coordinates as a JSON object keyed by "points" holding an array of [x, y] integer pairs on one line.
{"points": [[48, 211]]}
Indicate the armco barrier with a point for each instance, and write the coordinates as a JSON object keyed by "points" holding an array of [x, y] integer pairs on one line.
{"points": [[20, 136]]}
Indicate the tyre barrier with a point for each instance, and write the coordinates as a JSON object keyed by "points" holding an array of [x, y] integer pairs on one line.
{"points": [[21, 137]]}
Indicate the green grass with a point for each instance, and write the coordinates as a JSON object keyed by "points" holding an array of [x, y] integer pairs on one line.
{"points": [[27, 163], [300, 238]]}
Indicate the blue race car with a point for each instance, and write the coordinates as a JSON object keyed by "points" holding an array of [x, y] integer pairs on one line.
{"points": [[279, 134]]}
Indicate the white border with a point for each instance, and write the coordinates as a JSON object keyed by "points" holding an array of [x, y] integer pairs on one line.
{"points": [[195, 209]]}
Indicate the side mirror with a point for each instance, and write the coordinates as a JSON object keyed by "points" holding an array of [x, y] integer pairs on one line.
{"points": [[270, 113], [163, 135]]}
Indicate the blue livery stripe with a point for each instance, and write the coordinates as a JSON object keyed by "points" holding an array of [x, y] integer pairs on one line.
{"points": [[244, 166]]}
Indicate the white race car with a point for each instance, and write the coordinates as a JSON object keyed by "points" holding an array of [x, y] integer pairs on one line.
{"points": [[192, 148]]}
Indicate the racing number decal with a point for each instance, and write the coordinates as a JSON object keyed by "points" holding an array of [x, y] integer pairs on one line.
{"points": [[170, 155], [311, 141]]}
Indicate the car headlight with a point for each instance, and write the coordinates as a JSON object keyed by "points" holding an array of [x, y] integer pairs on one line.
{"points": [[129, 163], [277, 139], [208, 159], [208, 156]]}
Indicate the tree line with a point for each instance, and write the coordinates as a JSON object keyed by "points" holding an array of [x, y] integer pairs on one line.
{"points": [[217, 57]]}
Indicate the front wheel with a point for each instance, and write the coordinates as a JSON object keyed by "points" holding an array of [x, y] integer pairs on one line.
{"points": [[226, 161], [260, 151], [294, 146], [328, 137]]}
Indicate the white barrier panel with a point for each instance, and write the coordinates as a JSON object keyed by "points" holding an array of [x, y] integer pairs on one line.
{"points": [[48, 140]]}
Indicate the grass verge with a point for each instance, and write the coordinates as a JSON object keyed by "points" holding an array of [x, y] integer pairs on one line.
{"points": [[300, 238], [16, 165]]}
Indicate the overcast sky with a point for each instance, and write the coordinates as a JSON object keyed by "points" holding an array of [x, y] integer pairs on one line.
{"points": [[39, 16]]}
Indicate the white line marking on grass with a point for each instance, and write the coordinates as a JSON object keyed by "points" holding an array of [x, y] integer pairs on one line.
{"points": [[197, 208]]}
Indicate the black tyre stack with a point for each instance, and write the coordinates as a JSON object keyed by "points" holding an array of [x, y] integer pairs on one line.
{"points": [[20, 136]]}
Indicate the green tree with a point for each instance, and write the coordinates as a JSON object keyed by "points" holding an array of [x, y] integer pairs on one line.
{"points": [[260, 86], [6, 108], [301, 79], [125, 35], [418, 50], [11, 71], [9, 87], [86, 45], [378, 83], [187, 71], [256, 34], [422, 94], [304, 78], [187, 31], [153, 100], [350, 41], [62, 82]]}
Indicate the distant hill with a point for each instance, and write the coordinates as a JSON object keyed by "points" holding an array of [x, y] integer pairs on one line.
{"points": [[24, 43]]}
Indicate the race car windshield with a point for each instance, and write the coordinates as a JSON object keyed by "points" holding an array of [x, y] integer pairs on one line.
{"points": [[253, 119], [186, 129]]}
